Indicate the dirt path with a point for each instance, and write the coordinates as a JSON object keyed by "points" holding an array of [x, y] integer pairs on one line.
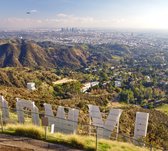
{"points": [[64, 80], [15, 143]]}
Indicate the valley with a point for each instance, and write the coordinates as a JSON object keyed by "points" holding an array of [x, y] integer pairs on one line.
{"points": [[116, 73]]}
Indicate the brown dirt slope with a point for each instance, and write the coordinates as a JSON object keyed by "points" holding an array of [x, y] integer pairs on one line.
{"points": [[14, 143]]}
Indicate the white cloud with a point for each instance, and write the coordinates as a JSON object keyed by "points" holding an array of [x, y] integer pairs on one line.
{"points": [[33, 11], [61, 15], [21, 23], [61, 20], [69, 20], [72, 20]]}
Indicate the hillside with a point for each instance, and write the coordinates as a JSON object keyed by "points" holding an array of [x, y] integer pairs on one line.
{"points": [[158, 121], [19, 77], [17, 53], [23, 53], [157, 129], [25, 61], [57, 141], [26, 53]]}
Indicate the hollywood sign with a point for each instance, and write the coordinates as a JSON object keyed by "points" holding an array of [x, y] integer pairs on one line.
{"points": [[69, 124]]}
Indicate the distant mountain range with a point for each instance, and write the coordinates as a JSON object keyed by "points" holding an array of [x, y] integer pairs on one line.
{"points": [[25, 53]]}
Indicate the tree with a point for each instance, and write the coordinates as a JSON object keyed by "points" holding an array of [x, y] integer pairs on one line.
{"points": [[103, 76], [144, 103], [67, 90], [148, 93], [127, 96]]}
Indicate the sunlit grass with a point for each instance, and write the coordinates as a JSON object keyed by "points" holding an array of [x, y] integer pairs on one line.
{"points": [[75, 141], [26, 130], [163, 108]]}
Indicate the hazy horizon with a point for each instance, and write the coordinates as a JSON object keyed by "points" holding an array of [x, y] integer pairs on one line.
{"points": [[116, 14]]}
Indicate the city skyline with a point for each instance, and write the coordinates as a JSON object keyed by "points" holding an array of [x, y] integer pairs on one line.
{"points": [[123, 14]]}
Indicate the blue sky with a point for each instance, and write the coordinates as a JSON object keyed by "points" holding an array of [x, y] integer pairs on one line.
{"points": [[140, 14]]}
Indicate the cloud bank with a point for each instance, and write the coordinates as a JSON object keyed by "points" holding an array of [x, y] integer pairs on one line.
{"points": [[66, 20]]}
